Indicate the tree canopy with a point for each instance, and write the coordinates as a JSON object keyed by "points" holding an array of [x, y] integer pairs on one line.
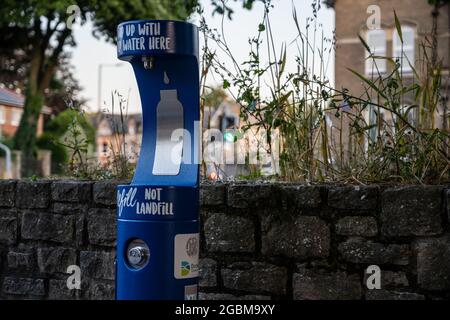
{"points": [[35, 33], [39, 31], [221, 6]]}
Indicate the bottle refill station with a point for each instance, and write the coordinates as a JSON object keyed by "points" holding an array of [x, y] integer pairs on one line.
{"points": [[158, 230]]}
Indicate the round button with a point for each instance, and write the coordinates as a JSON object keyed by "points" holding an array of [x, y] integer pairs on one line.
{"points": [[138, 254]]}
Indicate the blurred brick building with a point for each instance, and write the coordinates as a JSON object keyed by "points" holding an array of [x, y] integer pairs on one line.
{"points": [[353, 18], [417, 23], [110, 132], [11, 109]]}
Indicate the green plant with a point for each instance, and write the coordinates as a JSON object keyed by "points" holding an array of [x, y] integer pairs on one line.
{"points": [[41, 30], [331, 134], [72, 132], [68, 132], [59, 153], [119, 165], [408, 144], [76, 141]]}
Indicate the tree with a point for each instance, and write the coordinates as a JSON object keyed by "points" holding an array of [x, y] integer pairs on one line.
{"points": [[43, 29], [63, 87], [214, 97], [221, 7]]}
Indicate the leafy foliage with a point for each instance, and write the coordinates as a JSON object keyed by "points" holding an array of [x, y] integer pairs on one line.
{"points": [[389, 133], [68, 136], [40, 31], [63, 86], [221, 6], [214, 97], [107, 14]]}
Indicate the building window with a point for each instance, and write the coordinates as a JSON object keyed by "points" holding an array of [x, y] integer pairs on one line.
{"points": [[105, 147], [371, 121], [131, 127], [379, 123], [407, 48], [229, 122], [409, 113], [104, 129], [15, 117], [2, 115], [376, 40]]}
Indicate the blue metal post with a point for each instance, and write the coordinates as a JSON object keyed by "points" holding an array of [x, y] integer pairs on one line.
{"points": [[157, 226]]}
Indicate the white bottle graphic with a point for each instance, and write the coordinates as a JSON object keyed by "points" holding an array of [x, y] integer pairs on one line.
{"points": [[169, 117]]}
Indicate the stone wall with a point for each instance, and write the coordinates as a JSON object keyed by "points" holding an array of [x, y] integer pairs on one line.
{"points": [[259, 241]]}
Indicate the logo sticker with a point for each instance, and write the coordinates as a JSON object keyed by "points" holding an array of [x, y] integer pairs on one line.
{"points": [[190, 292], [185, 268], [186, 255], [192, 246]]}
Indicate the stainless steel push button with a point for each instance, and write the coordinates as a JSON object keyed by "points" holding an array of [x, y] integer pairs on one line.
{"points": [[138, 254]]}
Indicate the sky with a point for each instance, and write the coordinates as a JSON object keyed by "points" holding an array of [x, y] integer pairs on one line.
{"points": [[90, 53]]}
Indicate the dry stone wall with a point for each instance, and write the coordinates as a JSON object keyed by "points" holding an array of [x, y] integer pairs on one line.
{"points": [[258, 241]]}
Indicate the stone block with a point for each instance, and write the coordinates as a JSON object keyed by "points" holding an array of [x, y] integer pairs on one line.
{"points": [[353, 197], [392, 295], [55, 259], [97, 264], [8, 228], [7, 193], [356, 250], [300, 196], [320, 285], [22, 261], [448, 204], [33, 194], [47, 226], [244, 196], [70, 208], [227, 296], [357, 226], [257, 277], [228, 233], [105, 192], [212, 194], [433, 263], [71, 191], [207, 273], [101, 291], [295, 237], [101, 226], [58, 290], [23, 286], [411, 211]]}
